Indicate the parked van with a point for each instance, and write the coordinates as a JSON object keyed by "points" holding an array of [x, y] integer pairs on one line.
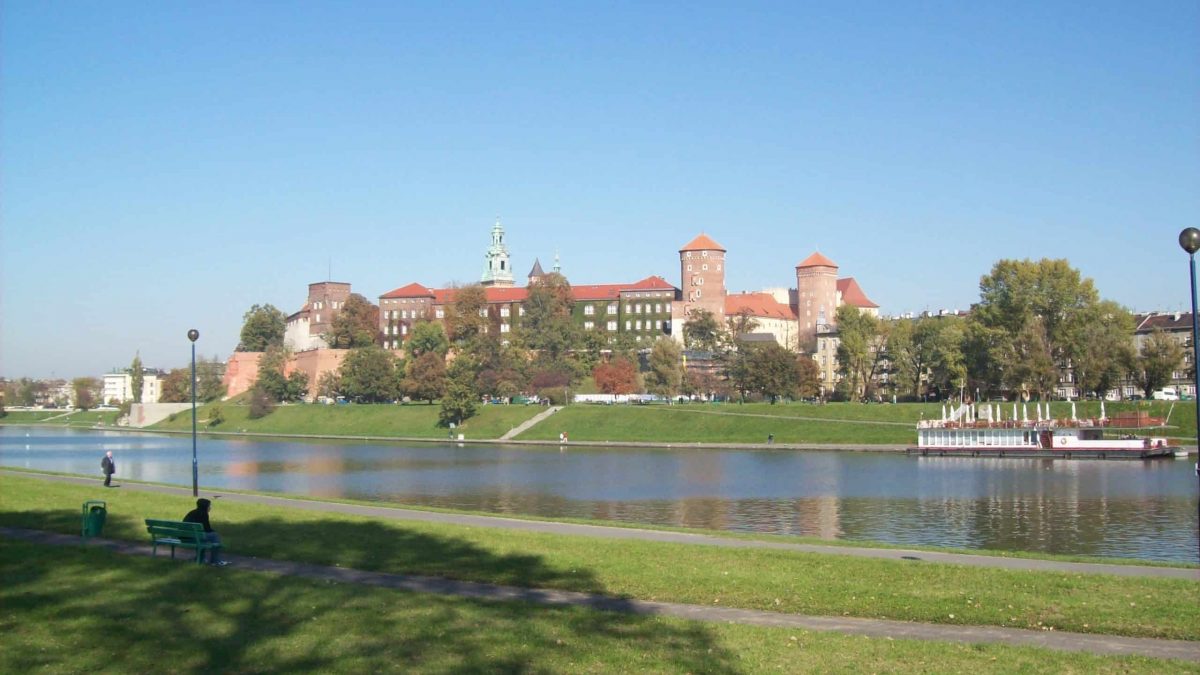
{"points": [[1166, 394]]}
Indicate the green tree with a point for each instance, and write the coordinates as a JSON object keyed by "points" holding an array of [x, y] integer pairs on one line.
{"points": [[87, 389], [458, 403], [927, 351], [272, 381], [773, 371], [427, 336], [467, 315], [426, 377], [808, 380], [262, 326], [28, 391], [862, 341], [136, 378], [1158, 359], [209, 384], [355, 325], [548, 327], [1104, 350], [702, 331], [368, 375], [261, 403], [329, 384], [741, 323], [666, 368]]}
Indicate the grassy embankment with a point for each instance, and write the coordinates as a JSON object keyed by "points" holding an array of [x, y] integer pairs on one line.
{"points": [[771, 580], [60, 418], [836, 423]]}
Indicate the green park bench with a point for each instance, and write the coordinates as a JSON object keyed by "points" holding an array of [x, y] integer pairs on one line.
{"points": [[178, 534]]}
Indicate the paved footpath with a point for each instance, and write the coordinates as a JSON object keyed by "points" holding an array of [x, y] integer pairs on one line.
{"points": [[1105, 645], [601, 531]]}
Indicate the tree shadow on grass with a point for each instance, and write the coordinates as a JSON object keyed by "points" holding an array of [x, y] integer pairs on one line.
{"points": [[109, 611]]}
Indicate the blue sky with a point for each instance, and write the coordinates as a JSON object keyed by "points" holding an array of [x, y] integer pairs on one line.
{"points": [[166, 165]]}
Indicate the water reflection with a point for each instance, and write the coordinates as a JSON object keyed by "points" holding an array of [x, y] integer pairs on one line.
{"points": [[1129, 509]]}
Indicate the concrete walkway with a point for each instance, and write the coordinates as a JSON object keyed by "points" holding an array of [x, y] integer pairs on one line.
{"points": [[608, 532], [530, 423], [1105, 645]]}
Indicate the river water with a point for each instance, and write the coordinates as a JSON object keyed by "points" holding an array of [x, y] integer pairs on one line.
{"points": [[1135, 509]]}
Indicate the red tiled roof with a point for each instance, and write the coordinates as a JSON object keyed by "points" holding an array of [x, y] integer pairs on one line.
{"points": [[1168, 322], [505, 293], [651, 283], [817, 260], [852, 294], [702, 243], [757, 304], [597, 292], [413, 290]]}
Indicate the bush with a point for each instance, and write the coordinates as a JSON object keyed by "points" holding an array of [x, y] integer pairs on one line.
{"points": [[556, 395], [216, 416], [261, 403]]}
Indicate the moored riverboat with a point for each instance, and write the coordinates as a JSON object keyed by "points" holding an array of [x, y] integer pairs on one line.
{"points": [[982, 431]]}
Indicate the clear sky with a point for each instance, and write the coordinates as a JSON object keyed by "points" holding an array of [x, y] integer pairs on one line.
{"points": [[167, 165]]}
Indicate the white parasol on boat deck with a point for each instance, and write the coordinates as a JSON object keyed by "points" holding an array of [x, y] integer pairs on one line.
{"points": [[1102, 415], [1072, 411]]}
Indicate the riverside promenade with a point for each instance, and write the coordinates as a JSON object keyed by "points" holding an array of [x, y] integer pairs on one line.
{"points": [[1064, 641]]}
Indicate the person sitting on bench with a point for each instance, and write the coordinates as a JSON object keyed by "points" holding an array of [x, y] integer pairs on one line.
{"points": [[200, 515]]}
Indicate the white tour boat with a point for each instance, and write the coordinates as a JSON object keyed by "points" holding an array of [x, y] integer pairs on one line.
{"points": [[980, 430]]}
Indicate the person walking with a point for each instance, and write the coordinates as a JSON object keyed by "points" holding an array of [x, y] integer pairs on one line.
{"points": [[109, 466], [200, 515]]}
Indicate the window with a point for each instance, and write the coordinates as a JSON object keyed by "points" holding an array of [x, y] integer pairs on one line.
{"points": [[704, 267], [699, 281], [589, 310], [503, 328], [440, 313], [612, 325], [697, 294], [318, 318], [628, 325], [403, 329], [657, 308], [689, 268], [504, 311], [639, 325], [637, 309], [612, 308], [588, 325], [483, 312], [703, 254], [521, 310]]}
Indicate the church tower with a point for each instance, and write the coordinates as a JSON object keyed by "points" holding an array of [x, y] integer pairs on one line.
{"points": [[816, 298], [702, 278], [497, 269]]}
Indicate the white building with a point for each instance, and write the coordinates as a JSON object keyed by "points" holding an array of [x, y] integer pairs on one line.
{"points": [[118, 387]]}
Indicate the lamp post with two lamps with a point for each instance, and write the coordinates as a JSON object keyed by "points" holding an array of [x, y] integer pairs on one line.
{"points": [[194, 335], [1189, 240]]}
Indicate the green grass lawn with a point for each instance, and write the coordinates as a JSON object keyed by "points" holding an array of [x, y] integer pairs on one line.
{"points": [[88, 610], [772, 580], [416, 420], [62, 418]]}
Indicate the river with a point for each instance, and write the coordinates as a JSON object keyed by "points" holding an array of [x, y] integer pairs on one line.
{"points": [[1133, 509]]}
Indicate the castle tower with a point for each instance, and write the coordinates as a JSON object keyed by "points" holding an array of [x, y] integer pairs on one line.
{"points": [[536, 273], [497, 269], [702, 278], [816, 298]]}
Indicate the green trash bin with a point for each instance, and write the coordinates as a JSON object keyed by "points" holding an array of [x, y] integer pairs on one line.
{"points": [[94, 514]]}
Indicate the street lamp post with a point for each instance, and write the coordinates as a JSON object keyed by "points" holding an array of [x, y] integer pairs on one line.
{"points": [[194, 335], [1189, 240]]}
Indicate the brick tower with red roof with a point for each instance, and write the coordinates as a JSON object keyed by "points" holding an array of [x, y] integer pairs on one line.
{"points": [[816, 298], [702, 280]]}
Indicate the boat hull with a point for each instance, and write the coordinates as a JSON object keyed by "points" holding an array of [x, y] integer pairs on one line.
{"points": [[1045, 453]]}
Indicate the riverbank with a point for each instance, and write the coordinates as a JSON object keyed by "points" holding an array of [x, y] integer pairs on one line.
{"points": [[740, 582], [833, 426]]}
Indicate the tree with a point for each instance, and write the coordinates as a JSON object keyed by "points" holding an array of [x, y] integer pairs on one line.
{"points": [[1104, 350], [28, 390], [666, 368], [861, 349], [742, 323], [427, 336], [702, 331], [927, 351], [426, 377], [355, 325], [263, 326], [209, 386], [261, 403], [1159, 358], [274, 383], [136, 378], [86, 391], [773, 371], [368, 375], [616, 376], [548, 327], [329, 385], [1029, 317], [175, 386], [467, 316], [458, 403]]}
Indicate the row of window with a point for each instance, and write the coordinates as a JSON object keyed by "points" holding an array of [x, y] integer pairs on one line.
{"points": [[704, 267]]}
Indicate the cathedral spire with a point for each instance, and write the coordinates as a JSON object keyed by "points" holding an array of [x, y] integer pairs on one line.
{"points": [[497, 270]]}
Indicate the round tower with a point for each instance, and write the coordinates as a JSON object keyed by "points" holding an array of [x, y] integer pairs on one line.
{"points": [[702, 279], [816, 298]]}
